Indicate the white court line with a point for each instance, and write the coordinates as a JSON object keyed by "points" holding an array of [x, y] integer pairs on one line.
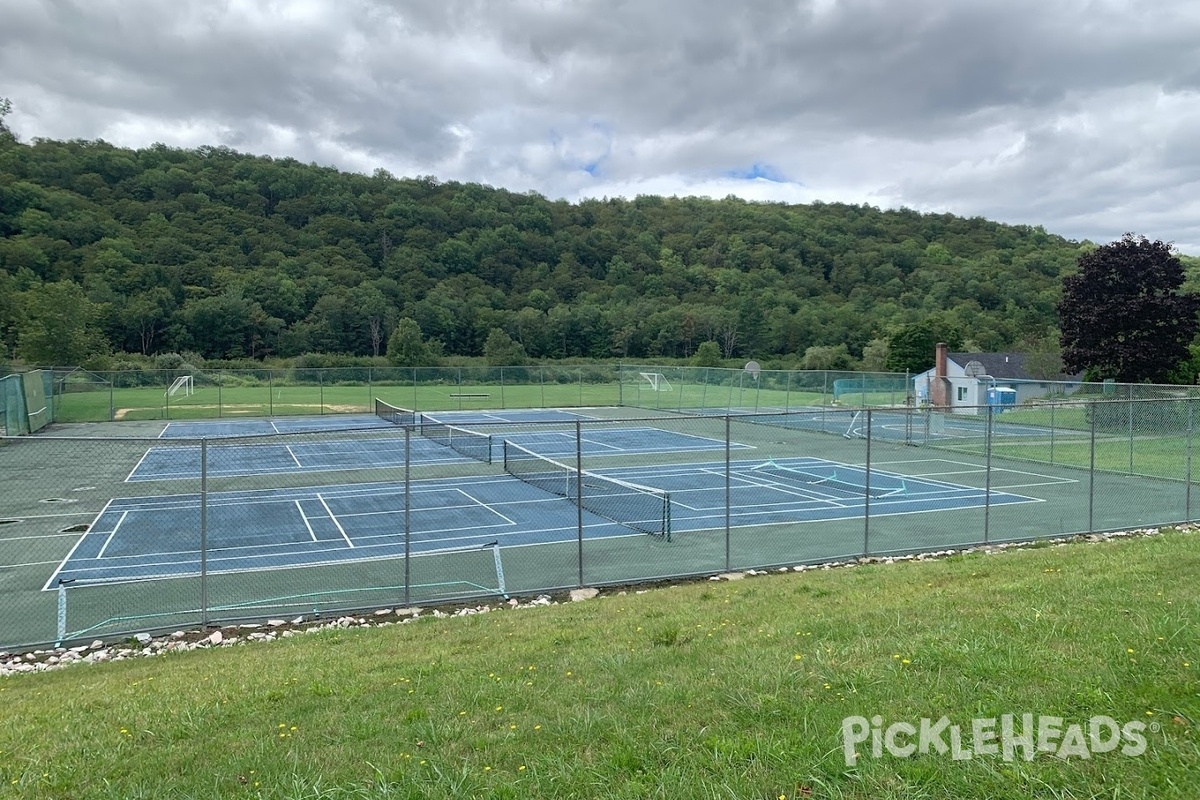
{"points": [[111, 534], [275, 427], [474, 499], [288, 447], [129, 477], [304, 517], [163, 432], [341, 530], [71, 552]]}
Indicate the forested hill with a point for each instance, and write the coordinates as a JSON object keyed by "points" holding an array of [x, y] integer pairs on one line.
{"points": [[231, 255]]}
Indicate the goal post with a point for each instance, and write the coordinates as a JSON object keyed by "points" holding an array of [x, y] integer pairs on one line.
{"points": [[658, 382], [184, 385]]}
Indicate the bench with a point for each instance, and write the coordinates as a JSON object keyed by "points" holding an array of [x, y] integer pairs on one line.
{"points": [[478, 396]]}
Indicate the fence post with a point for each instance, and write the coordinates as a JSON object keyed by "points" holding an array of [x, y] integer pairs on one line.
{"points": [[220, 409], [728, 494], [867, 492], [987, 478], [502, 406], [1187, 503], [407, 515], [1052, 407], [204, 533], [271, 392], [321, 392], [112, 408], [787, 393], [1130, 430], [704, 390], [1092, 472], [579, 494]]}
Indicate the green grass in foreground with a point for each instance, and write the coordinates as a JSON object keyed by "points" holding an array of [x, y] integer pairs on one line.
{"points": [[708, 690]]}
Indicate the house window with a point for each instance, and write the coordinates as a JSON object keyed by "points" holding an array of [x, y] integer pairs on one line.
{"points": [[962, 393]]}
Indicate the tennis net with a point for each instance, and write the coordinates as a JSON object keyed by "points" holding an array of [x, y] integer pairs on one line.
{"points": [[394, 414], [640, 508], [849, 479], [472, 444]]}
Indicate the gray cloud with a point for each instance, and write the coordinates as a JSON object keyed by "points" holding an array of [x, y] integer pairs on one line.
{"points": [[1078, 116]]}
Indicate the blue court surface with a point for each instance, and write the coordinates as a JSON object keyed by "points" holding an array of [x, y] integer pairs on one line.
{"points": [[139, 538], [264, 457], [340, 422]]}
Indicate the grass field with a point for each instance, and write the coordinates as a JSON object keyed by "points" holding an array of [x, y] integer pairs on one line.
{"points": [[708, 690], [259, 401]]}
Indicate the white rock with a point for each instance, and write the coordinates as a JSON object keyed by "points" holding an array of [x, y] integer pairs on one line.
{"points": [[178, 634], [96, 645], [586, 593], [731, 576], [143, 638], [216, 637], [298, 621], [275, 623], [382, 612]]}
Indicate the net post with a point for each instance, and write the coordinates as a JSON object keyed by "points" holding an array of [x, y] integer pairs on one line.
{"points": [[204, 533], [728, 494], [579, 494], [987, 477], [499, 570], [62, 612], [867, 492], [407, 516], [1092, 471]]}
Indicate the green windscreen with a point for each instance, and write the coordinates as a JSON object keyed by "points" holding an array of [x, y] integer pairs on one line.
{"points": [[12, 400], [37, 406]]}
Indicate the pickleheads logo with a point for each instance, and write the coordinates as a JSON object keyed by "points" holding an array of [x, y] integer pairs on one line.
{"points": [[1006, 736]]}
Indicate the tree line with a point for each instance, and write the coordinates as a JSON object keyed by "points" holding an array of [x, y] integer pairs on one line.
{"points": [[107, 251]]}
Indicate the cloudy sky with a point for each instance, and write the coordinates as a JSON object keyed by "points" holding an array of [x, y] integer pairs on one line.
{"points": [[1083, 117]]}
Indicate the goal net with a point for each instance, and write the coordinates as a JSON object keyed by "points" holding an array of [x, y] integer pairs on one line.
{"points": [[658, 382], [183, 385]]}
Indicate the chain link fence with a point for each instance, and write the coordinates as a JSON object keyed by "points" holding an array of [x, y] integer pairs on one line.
{"points": [[101, 537]]}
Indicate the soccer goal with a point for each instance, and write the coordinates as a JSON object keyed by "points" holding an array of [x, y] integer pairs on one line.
{"points": [[183, 385], [658, 382]]}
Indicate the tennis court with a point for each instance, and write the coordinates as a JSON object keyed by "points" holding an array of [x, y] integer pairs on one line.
{"points": [[432, 444], [895, 425], [154, 537]]}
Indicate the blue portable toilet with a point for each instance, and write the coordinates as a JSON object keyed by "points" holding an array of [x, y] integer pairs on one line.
{"points": [[1000, 398]]}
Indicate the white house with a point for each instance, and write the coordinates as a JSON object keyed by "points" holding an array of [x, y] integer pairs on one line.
{"points": [[963, 382]]}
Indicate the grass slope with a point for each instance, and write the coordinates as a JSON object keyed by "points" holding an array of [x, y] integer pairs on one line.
{"points": [[709, 690]]}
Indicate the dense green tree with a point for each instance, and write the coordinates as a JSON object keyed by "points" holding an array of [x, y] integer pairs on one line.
{"points": [[1124, 315], [708, 354], [911, 348], [57, 327], [501, 351], [295, 252], [407, 346]]}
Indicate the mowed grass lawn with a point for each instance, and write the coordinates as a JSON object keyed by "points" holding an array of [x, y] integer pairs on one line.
{"points": [[731, 689]]}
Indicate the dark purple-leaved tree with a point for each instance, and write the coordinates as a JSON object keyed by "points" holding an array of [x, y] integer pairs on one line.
{"points": [[1123, 315]]}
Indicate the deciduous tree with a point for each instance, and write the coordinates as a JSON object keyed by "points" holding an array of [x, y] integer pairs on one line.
{"points": [[1123, 314]]}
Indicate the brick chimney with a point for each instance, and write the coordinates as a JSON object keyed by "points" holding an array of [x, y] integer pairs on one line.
{"points": [[939, 390]]}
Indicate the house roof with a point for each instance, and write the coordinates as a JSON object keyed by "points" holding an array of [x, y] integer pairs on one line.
{"points": [[1004, 366]]}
